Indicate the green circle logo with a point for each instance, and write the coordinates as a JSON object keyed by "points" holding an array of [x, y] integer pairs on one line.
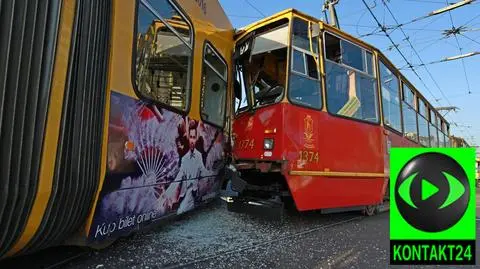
{"points": [[432, 192]]}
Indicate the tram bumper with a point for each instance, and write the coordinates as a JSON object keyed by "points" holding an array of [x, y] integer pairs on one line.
{"points": [[238, 203]]}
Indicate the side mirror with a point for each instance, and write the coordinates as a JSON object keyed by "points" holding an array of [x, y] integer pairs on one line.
{"points": [[315, 30]]}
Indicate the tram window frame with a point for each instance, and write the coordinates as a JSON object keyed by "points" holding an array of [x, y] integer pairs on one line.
{"points": [[280, 24], [338, 62], [244, 92], [408, 95], [431, 128], [205, 65], [190, 44], [425, 120], [388, 67], [309, 56], [408, 103], [422, 106]]}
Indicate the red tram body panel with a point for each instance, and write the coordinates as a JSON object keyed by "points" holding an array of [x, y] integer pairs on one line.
{"points": [[322, 154]]}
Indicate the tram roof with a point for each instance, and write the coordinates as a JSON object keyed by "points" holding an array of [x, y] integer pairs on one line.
{"points": [[210, 11]]}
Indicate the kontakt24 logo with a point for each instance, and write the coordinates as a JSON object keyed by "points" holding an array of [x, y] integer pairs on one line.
{"points": [[432, 206]]}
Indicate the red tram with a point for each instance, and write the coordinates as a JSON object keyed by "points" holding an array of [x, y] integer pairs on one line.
{"points": [[316, 112]]}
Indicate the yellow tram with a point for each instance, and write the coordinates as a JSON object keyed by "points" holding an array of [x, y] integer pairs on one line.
{"points": [[113, 116]]}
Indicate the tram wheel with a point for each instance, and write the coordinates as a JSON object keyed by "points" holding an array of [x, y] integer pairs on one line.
{"points": [[370, 210]]}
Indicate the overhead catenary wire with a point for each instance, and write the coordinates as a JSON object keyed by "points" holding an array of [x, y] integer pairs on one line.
{"points": [[461, 52], [398, 50], [473, 40], [427, 1], [418, 56], [415, 33], [463, 58], [449, 59], [434, 13], [376, 27], [244, 16], [254, 7]]}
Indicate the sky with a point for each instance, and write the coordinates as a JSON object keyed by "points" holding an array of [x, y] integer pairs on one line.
{"points": [[447, 83]]}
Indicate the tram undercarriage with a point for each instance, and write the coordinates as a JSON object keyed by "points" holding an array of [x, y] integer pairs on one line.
{"points": [[267, 194]]}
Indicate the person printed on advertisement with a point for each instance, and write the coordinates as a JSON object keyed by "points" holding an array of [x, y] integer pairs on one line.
{"points": [[181, 141], [185, 185]]}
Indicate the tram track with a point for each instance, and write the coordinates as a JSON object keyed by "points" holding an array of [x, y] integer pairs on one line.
{"points": [[261, 243], [66, 260]]}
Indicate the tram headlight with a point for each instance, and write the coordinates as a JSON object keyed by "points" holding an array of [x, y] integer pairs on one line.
{"points": [[268, 143]]}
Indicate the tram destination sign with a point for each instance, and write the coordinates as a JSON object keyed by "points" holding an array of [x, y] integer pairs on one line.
{"points": [[432, 206]]}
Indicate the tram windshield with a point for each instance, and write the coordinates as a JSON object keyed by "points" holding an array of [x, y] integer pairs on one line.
{"points": [[261, 62]]}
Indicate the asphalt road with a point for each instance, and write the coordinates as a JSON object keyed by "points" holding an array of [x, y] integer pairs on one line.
{"points": [[215, 238]]}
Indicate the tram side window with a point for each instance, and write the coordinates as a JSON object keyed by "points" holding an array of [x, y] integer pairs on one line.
{"points": [[214, 88], [447, 137], [441, 134], [432, 129], [352, 56], [423, 123], [409, 114], [303, 37], [433, 136], [241, 101], [351, 88], [438, 125], [390, 98], [304, 88], [423, 131], [163, 54], [422, 108], [408, 96]]}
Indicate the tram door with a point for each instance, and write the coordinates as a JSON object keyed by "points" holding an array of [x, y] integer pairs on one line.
{"points": [[353, 119]]}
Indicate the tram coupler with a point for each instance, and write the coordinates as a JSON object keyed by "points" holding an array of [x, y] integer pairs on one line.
{"points": [[272, 209], [269, 209], [237, 183]]}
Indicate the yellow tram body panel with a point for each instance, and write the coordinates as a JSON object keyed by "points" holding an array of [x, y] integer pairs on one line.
{"points": [[107, 69], [212, 26], [52, 131]]}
